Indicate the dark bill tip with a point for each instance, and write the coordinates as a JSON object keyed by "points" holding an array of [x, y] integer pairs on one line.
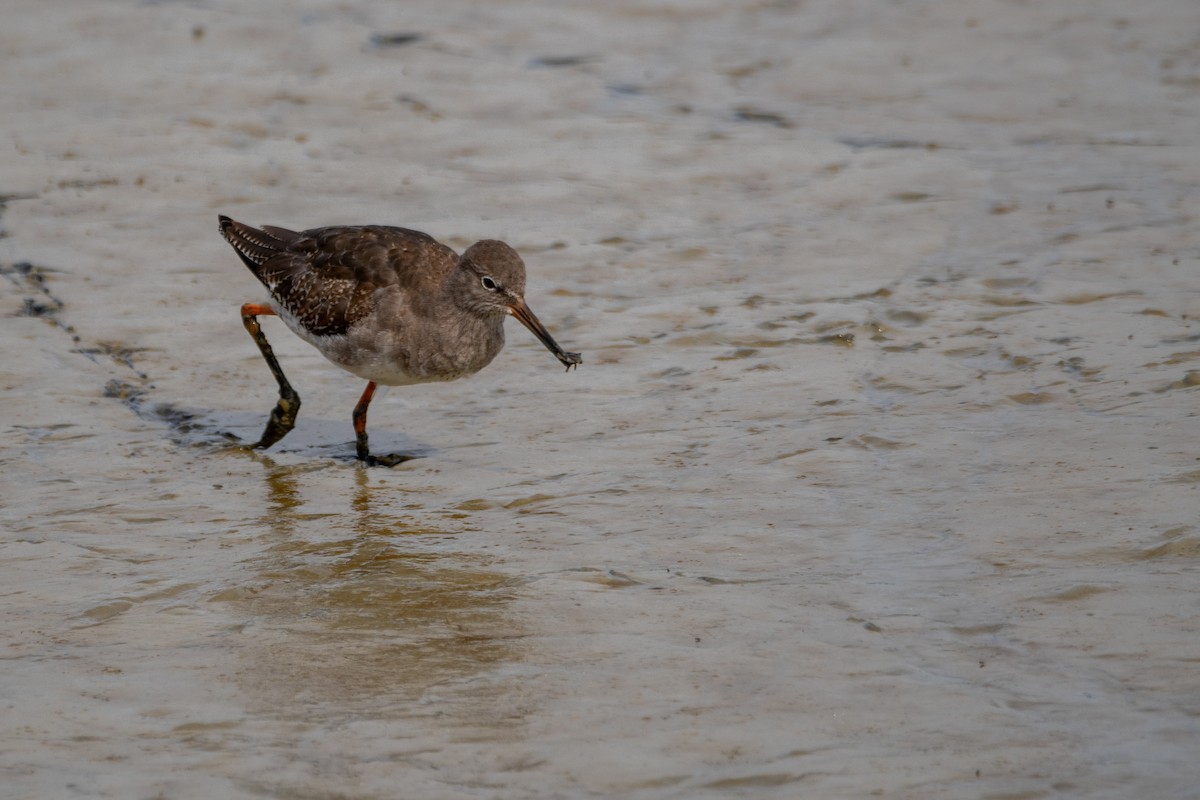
{"points": [[523, 313]]}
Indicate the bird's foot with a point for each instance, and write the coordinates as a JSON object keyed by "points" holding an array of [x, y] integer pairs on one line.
{"points": [[390, 460], [361, 450], [281, 422]]}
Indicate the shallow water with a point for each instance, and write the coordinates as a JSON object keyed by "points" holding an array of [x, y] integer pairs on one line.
{"points": [[878, 476]]}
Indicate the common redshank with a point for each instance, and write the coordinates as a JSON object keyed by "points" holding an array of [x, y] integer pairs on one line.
{"points": [[391, 305]]}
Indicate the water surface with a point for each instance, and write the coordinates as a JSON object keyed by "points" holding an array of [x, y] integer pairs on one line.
{"points": [[878, 476]]}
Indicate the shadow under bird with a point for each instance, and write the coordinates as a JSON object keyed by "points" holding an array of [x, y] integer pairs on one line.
{"points": [[390, 305]]}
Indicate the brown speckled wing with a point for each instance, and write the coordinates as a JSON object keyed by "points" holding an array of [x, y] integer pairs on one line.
{"points": [[255, 246], [328, 277]]}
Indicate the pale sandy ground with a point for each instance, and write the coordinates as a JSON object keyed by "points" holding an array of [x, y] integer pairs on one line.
{"points": [[738, 553]]}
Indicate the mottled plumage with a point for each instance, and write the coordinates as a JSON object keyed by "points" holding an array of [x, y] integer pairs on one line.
{"points": [[391, 305]]}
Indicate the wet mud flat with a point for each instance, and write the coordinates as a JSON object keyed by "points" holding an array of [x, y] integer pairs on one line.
{"points": [[879, 474]]}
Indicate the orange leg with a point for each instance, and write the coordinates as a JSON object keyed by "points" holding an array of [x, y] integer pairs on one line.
{"points": [[360, 422], [360, 434], [283, 415]]}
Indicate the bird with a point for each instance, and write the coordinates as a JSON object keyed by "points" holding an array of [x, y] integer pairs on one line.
{"points": [[391, 305]]}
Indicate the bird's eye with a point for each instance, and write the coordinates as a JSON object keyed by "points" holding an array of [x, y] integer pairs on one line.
{"points": [[489, 284]]}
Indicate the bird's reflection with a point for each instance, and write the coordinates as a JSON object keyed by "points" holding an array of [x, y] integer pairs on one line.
{"points": [[353, 611]]}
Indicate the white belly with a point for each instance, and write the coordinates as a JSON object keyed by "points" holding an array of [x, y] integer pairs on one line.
{"points": [[404, 357]]}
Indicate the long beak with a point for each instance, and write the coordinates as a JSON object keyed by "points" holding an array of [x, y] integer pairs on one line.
{"points": [[522, 312]]}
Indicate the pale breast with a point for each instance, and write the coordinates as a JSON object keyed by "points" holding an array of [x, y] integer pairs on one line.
{"points": [[395, 346]]}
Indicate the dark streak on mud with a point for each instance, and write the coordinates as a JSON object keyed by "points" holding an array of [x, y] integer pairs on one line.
{"points": [[131, 389], [39, 301]]}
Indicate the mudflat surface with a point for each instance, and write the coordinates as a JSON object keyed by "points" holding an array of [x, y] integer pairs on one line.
{"points": [[879, 476]]}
